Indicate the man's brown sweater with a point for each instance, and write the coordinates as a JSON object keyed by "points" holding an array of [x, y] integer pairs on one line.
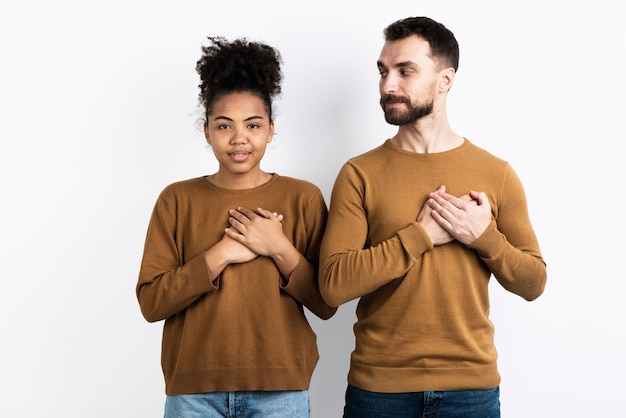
{"points": [[423, 315]]}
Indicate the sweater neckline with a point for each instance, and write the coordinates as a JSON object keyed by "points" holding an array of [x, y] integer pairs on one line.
{"points": [[466, 143], [207, 183]]}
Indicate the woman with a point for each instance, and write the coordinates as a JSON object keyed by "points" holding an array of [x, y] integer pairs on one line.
{"points": [[230, 258]]}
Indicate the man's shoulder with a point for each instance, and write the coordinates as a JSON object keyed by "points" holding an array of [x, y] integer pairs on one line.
{"points": [[373, 154], [482, 154]]}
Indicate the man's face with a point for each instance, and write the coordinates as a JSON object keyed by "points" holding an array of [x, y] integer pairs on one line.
{"points": [[408, 80]]}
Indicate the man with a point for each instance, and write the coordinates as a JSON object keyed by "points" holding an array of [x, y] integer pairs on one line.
{"points": [[416, 228]]}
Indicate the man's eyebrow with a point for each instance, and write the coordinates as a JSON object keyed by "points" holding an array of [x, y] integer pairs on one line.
{"points": [[405, 64], [398, 64]]}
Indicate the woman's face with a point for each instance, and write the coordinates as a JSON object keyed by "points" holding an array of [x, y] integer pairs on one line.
{"points": [[238, 129]]}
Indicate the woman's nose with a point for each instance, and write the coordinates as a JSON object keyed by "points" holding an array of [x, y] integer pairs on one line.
{"points": [[239, 136]]}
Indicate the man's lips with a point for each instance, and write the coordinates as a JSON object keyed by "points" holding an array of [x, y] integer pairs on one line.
{"points": [[391, 101]]}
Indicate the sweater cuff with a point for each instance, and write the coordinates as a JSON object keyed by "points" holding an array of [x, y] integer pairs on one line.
{"points": [[489, 242], [197, 268], [415, 240], [290, 284]]}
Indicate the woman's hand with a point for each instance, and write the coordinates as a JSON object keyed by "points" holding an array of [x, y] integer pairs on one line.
{"points": [[261, 231]]}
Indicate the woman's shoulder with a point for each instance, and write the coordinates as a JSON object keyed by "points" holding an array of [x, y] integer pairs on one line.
{"points": [[295, 183], [184, 186]]}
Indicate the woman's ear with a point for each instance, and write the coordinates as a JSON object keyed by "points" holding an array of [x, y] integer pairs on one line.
{"points": [[206, 133], [270, 135]]}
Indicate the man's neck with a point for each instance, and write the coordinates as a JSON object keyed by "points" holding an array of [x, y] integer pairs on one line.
{"points": [[425, 137]]}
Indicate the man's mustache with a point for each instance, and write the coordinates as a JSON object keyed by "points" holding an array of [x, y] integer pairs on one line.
{"points": [[388, 98]]}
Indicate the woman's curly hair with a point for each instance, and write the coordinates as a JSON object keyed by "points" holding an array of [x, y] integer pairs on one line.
{"points": [[240, 65]]}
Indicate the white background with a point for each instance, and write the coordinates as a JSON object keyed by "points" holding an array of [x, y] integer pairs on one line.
{"points": [[98, 114]]}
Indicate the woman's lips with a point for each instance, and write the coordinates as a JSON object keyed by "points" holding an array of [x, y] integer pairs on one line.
{"points": [[239, 155]]}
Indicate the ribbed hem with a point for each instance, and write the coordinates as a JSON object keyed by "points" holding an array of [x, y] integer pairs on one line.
{"points": [[398, 380], [238, 379]]}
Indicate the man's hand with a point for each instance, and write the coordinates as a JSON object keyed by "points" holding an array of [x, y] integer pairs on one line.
{"points": [[437, 234], [465, 218]]}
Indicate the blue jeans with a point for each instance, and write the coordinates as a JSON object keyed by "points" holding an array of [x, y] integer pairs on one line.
{"points": [[448, 404], [270, 404]]}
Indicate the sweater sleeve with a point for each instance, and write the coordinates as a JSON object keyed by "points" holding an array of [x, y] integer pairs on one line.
{"points": [[349, 266], [509, 245], [167, 284], [303, 283]]}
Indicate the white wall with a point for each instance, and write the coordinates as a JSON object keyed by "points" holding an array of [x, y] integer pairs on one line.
{"points": [[97, 103]]}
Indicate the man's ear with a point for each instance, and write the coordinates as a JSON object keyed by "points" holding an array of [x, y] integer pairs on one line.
{"points": [[447, 78]]}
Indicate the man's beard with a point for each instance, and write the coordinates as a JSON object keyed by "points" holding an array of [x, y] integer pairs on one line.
{"points": [[414, 113]]}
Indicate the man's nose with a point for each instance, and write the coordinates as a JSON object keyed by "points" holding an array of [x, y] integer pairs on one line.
{"points": [[389, 84]]}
